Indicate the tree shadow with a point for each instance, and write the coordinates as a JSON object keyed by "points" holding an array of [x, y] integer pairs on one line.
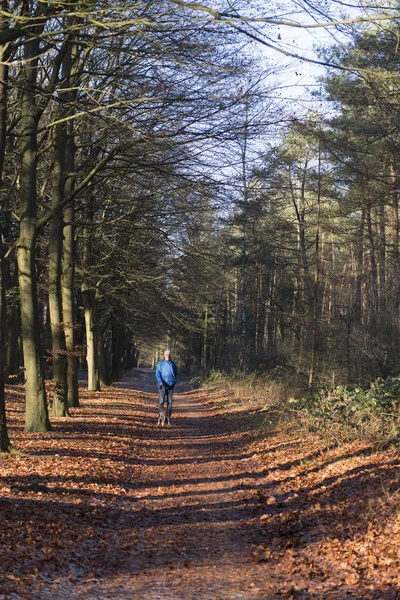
{"points": [[163, 516]]}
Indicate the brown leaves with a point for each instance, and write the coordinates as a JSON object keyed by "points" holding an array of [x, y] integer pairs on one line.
{"points": [[60, 504], [337, 516], [198, 510]]}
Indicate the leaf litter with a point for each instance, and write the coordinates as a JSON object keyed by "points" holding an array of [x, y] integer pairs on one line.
{"points": [[107, 505]]}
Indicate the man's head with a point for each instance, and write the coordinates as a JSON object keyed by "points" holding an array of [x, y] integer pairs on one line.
{"points": [[167, 355]]}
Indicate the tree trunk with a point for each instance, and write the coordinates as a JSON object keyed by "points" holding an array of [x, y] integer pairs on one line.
{"points": [[205, 338], [243, 325], [314, 335], [395, 222], [71, 70], [13, 358], [5, 445], [359, 276], [91, 342], [67, 289], [59, 406], [382, 304], [89, 304], [4, 72], [4, 439], [117, 355], [374, 272], [36, 406], [103, 366]]}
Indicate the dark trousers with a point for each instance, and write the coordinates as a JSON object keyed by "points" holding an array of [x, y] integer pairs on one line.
{"points": [[166, 394]]}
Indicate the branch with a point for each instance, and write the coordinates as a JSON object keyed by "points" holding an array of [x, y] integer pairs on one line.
{"points": [[43, 14], [232, 20], [10, 35], [225, 17], [322, 63], [89, 177]]}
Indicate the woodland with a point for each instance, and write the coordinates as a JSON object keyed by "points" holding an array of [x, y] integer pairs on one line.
{"points": [[158, 188], [171, 178]]}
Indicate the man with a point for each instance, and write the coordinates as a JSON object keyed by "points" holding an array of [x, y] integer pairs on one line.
{"points": [[166, 375]]}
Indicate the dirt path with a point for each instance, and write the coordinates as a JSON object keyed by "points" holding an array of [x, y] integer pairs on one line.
{"points": [[196, 526], [110, 506]]}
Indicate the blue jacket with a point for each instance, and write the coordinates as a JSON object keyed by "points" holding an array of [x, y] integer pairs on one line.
{"points": [[167, 373]]}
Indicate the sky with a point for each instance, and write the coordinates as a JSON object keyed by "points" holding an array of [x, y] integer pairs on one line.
{"points": [[298, 78]]}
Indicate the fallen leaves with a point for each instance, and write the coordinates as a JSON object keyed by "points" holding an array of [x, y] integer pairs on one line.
{"points": [[201, 510], [60, 504], [338, 511]]}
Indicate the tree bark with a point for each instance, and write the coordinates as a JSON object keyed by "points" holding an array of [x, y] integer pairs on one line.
{"points": [[91, 342], [71, 71], [59, 405], [117, 355], [5, 444], [89, 304], [37, 418], [373, 296], [67, 288], [103, 365], [4, 439], [315, 324]]}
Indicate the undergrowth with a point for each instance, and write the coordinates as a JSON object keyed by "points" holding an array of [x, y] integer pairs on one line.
{"points": [[250, 390], [336, 415], [348, 413]]}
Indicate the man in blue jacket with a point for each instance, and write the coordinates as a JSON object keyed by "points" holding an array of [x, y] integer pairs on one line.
{"points": [[166, 375]]}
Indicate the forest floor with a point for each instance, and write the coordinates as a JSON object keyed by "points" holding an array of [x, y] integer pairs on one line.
{"points": [[108, 505]]}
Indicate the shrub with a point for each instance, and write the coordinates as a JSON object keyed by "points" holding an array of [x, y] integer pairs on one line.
{"points": [[352, 412], [253, 390]]}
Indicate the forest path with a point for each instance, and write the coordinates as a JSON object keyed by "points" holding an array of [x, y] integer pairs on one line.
{"points": [[110, 506], [197, 529]]}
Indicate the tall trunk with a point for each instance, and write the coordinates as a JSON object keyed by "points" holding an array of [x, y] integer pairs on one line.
{"points": [[302, 227], [4, 439], [59, 401], [217, 332], [67, 287], [103, 365], [382, 247], [374, 272], [395, 222], [257, 310], [5, 445], [301, 299], [91, 341], [205, 338], [89, 304], [116, 350], [243, 249], [300, 210], [69, 242], [36, 406], [359, 275], [382, 306], [396, 254], [13, 358], [241, 300], [314, 343], [270, 319], [35, 394], [13, 352], [3, 94]]}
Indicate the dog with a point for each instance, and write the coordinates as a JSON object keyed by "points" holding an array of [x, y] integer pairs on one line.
{"points": [[163, 415]]}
